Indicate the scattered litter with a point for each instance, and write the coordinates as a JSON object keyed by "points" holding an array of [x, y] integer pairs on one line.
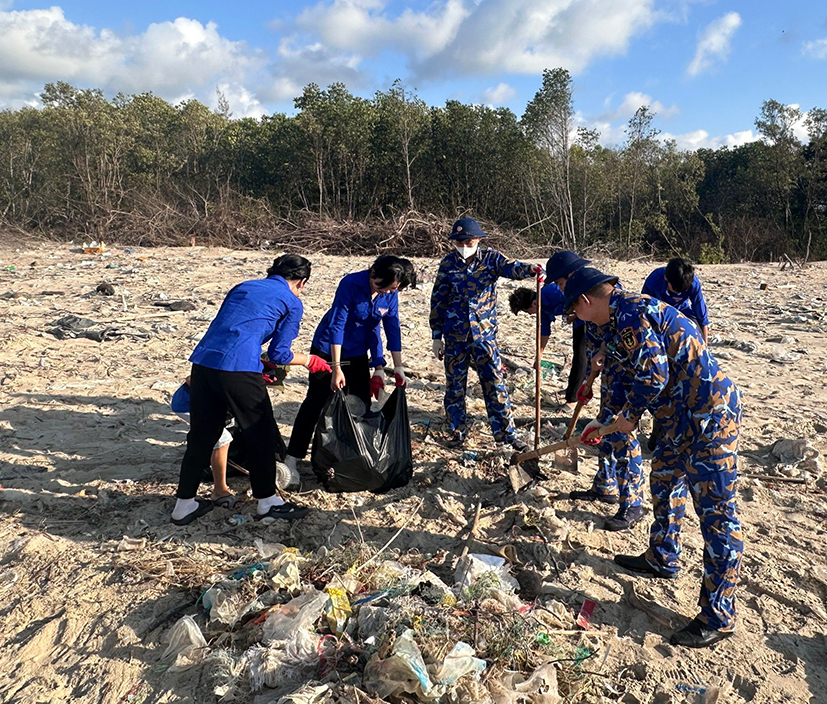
{"points": [[106, 289], [471, 569], [585, 615], [186, 644]]}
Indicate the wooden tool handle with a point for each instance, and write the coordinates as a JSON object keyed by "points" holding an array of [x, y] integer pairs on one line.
{"points": [[562, 445]]}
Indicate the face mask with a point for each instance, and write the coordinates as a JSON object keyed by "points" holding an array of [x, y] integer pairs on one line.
{"points": [[466, 252]]}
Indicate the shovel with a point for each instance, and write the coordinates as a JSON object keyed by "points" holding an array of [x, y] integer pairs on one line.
{"points": [[517, 458], [575, 457]]}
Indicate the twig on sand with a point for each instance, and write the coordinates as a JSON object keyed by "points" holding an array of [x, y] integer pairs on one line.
{"points": [[393, 537]]}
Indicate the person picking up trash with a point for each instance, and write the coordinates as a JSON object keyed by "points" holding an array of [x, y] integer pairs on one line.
{"points": [[464, 329], [226, 376], [673, 375], [679, 286], [345, 336]]}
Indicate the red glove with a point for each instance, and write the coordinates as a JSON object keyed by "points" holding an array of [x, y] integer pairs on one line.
{"points": [[401, 379], [538, 271], [317, 364], [587, 439], [584, 395], [377, 383]]}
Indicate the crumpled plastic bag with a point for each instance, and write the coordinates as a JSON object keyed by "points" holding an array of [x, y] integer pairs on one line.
{"points": [[187, 645], [299, 613], [284, 571], [793, 451], [460, 661], [554, 614], [308, 694], [473, 566], [291, 660], [404, 672], [540, 688]]}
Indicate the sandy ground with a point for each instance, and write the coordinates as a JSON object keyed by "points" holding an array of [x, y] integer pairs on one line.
{"points": [[92, 574]]}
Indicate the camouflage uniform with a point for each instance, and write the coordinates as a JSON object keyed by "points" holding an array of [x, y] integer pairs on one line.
{"points": [[464, 315], [672, 374], [620, 461]]}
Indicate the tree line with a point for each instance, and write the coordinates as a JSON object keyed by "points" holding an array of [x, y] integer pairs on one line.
{"points": [[391, 171]]}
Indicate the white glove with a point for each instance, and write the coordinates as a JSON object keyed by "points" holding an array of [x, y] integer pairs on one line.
{"points": [[439, 349]]}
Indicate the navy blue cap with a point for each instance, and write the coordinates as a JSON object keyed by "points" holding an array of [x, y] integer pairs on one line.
{"points": [[466, 229], [582, 281], [563, 263]]}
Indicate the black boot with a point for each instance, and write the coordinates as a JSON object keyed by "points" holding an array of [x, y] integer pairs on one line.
{"points": [[624, 519], [639, 564], [697, 635]]}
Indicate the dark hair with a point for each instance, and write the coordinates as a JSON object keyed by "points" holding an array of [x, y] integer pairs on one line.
{"points": [[602, 290], [292, 267], [680, 273], [389, 269], [410, 274], [521, 300]]}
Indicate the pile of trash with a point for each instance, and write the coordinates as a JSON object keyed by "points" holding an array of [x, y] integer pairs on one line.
{"points": [[796, 457], [347, 626]]}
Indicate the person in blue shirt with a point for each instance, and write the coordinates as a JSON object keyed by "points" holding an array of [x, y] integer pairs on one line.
{"points": [[524, 300], [226, 376], [679, 286], [464, 329], [349, 337]]}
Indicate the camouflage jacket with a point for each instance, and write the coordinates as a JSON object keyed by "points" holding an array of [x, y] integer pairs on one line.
{"points": [[464, 298], [667, 368]]}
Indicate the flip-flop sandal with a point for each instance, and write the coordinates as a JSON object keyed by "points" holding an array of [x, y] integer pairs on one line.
{"points": [[283, 512], [228, 501], [204, 506]]}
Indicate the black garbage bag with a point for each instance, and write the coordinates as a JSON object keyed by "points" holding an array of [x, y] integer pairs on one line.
{"points": [[359, 450]]}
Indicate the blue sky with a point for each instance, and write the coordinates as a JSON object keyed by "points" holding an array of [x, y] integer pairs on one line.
{"points": [[704, 66]]}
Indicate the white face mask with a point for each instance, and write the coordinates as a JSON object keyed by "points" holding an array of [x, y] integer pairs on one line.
{"points": [[466, 252]]}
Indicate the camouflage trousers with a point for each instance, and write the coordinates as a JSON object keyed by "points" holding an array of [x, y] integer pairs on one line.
{"points": [[706, 469], [619, 462], [484, 355]]}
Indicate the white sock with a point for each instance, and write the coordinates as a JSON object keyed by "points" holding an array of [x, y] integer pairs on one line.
{"points": [[290, 461], [183, 507], [265, 504]]}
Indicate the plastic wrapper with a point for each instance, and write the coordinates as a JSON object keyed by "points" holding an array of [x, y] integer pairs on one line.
{"points": [[284, 571], [460, 661], [471, 567], [186, 644], [301, 612], [514, 688], [369, 451], [404, 672], [337, 610]]}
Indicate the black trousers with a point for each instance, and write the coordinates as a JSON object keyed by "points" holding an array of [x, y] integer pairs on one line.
{"points": [[578, 362], [357, 383], [212, 394]]}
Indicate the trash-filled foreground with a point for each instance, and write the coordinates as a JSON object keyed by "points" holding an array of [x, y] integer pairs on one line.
{"points": [[378, 597]]}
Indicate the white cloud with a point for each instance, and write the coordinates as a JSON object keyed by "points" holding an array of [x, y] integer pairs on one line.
{"points": [[714, 44], [702, 139], [498, 95], [816, 49], [634, 100], [483, 37], [314, 63], [182, 57]]}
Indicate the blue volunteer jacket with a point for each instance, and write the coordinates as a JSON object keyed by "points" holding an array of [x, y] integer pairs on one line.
{"points": [[464, 298], [354, 318], [552, 302], [252, 313], [691, 302]]}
